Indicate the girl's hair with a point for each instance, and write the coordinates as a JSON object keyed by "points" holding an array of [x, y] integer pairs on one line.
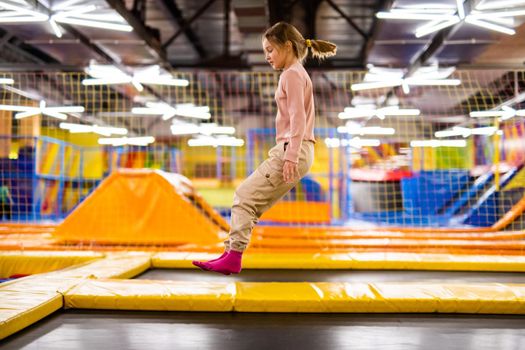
{"points": [[282, 32]]}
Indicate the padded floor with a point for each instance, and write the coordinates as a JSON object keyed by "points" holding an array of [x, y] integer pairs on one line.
{"points": [[84, 329], [334, 276]]}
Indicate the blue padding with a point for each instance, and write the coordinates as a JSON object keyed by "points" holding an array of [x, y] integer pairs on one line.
{"points": [[485, 212], [428, 191], [463, 200], [311, 189]]}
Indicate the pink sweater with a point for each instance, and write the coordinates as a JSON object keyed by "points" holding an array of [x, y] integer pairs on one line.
{"points": [[295, 110]]}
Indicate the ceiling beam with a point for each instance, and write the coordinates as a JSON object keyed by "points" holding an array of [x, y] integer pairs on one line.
{"points": [[276, 11], [141, 30], [37, 67], [184, 26], [5, 38], [227, 31], [383, 5], [349, 20], [176, 14], [310, 8]]}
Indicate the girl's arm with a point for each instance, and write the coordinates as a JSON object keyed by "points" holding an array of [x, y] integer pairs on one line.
{"points": [[294, 85]]}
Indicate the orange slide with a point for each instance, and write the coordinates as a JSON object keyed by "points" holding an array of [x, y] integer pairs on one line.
{"points": [[144, 207]]}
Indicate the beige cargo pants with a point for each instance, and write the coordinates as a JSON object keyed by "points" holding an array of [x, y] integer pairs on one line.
{"points": [[261, 190]]}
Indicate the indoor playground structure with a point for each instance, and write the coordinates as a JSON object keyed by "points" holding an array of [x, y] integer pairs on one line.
{"points": [[408, 231]]}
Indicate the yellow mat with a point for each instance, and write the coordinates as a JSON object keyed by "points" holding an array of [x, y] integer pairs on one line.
{"points": [[32, 262], [29, 299], [475, 298], [357, 261]]}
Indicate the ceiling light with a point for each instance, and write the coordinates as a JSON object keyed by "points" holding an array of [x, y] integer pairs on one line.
{"points": [[101, 130], [466, 132], [378, 77], [202, 141], [354, 142], [188, 110], [438, 143], [64, 13], [6, 81], [496, 5], [151, 75], [366, 130], [123, 141], [381, 113], [505, 113], [55, 112], [477, 17]]}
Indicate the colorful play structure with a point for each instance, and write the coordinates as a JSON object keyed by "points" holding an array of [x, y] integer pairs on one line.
{"points": [[435, 188]]}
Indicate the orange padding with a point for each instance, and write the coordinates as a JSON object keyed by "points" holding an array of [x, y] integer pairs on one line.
{"points": [[510, 216], [299, 212], [143, 207], [335, 233]]}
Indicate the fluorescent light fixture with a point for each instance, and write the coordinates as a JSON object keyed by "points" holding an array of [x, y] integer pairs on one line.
{"points": [[213, 128], [55, 112], [378, 78], [410, 16], [6, 81], [354, 142], [487, 130], [381, 113], [376, 85], [497, 5], [67, 12], [439, 20], [20, 19], [461, 9], [434, 82], [491, 26], [466, 132], [438, 143], [505, 113], [482, 114], [203, 129], [96, 24], [123, 141], [101, 130], [425, 30], [455, 131], [366, 130], [151, 75], [188, 110], [23, 11], [55, 27], [203, 141]]}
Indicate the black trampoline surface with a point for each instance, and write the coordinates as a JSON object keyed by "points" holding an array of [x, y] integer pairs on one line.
{"points": [[93, 329], [363, 276], [100, 330]]}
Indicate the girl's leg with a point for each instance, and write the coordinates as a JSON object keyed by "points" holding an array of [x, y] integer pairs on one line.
{"points": [[261, 190]]}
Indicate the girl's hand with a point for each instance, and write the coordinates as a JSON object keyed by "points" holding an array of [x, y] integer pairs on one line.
{"points": [[290, 172]]}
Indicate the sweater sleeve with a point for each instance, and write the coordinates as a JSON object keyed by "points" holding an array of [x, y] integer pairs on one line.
{"points": [[294, 88]]}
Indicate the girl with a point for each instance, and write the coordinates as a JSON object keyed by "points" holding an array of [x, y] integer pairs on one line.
{"points": [[289, 161]]}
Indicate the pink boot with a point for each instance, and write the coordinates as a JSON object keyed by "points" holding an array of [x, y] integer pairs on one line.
{"points": [[231, 263]]}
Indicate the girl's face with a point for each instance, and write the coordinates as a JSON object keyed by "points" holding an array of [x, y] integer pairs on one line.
{"points": [[276, 56]]}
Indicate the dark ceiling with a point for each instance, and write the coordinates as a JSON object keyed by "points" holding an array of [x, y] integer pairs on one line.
{"points": [[226, 34]]}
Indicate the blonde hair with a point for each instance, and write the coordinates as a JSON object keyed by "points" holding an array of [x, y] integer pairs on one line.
{"points": [[282, 32]]}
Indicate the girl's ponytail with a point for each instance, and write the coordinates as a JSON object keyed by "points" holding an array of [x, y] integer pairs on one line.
{"points": [[321, 49]]}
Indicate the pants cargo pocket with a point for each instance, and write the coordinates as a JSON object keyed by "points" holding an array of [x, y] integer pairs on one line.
{"points": [[273, 176]]}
